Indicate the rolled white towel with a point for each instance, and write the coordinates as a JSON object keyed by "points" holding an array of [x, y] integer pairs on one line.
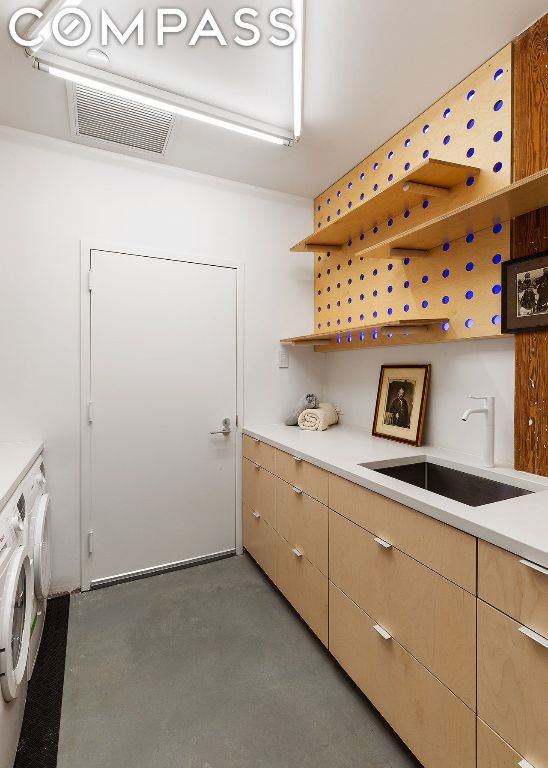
{"points": [[319, 418], [308, 401]]}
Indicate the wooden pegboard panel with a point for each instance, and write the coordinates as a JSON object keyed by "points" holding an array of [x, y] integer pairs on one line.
{"points": [[460, 281], [472, 100], [472, 124]]}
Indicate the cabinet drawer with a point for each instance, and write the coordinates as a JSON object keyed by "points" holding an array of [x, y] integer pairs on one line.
{"points": [[515, 588], [441, 547], [513, 684], [303, 522], [310, 479], [432, 618], [438, 728], [304, 586], [493, 752], [260, 541], [259, 453], [259, 491]]}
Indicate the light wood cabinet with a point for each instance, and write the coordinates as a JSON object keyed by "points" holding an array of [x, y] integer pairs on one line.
{"points": [[259, 453], [514, 585], [259, 490], [356, 566], [260, 541], [304, 586], [303, 522], [437, 726], [432, 618], [309, 478], [493, 752], [444, 549], [513, 684]]}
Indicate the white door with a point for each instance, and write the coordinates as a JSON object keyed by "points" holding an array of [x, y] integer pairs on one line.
{"points": [[163, 377]]}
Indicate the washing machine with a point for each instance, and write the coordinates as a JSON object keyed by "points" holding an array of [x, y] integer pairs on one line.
{"points": [[39, 547], [16, 603]]}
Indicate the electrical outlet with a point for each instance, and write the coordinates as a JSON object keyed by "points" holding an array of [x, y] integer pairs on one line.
{"points": [[283, 358], [339, 410]]}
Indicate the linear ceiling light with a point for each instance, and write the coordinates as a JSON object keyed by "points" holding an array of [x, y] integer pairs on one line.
{"points": [[159, 103], [298, 68], [42, 27]]}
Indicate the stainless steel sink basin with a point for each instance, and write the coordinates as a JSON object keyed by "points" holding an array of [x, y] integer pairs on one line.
{"points": [[452, 483]]}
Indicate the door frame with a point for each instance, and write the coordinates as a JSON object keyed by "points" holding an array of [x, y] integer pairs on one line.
{"points": [[86, 247]]}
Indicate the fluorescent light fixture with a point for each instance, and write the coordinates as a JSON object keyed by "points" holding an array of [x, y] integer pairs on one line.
{"points": [[174, 104], [298, 68], [42, 27], [158, 103]]}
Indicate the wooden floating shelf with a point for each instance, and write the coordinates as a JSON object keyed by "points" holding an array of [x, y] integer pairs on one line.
{"points": [[396, 327], [505, 204], [516, 199], [430, 178]]}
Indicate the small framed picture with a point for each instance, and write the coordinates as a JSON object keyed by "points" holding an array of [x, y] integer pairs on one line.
{"points": [[525, 293], [401, 403]]}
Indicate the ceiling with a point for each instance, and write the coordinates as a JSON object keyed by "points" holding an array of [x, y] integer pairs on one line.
{"points": [[370, 68]]}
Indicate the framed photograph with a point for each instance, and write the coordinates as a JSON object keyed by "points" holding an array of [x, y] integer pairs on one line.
{"points": [[401, 403], [525, 293]]}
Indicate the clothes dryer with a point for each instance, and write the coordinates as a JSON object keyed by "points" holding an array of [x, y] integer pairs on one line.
{"points": [[39, 546], [16, 601]]}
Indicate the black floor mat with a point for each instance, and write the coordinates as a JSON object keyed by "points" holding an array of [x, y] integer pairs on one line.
{"points": [[39, 738]]}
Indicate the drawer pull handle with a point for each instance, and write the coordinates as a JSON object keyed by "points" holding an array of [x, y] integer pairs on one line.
{"points": [[297, 458], [525, 764], [535, 567], [382, 542], [297, 490], [382, 632], [257, 441], [534, 636], [297, 552], [257, 515], [257, 466]]}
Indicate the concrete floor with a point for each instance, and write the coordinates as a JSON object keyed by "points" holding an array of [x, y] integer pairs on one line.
{"points": [[209, 668]]}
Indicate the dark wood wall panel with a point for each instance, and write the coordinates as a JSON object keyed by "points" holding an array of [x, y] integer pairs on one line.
{"points": [[530, 235]]}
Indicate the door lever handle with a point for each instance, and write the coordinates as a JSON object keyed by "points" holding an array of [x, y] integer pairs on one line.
{"points": [[225, 430]]}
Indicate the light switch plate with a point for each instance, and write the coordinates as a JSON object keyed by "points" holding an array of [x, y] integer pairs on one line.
{"points": [[283, 358]]}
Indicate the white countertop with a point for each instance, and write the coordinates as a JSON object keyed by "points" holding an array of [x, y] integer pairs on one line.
{"points": [[15, 461], [519, 525]]}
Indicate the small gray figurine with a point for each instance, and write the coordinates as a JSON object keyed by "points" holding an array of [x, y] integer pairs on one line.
{"points": [[308, 401]]}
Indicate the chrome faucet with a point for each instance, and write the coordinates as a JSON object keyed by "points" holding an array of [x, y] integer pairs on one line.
{"points": [[489, 438]]}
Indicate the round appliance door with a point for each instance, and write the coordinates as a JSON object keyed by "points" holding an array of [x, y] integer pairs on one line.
{"points": [[15, 620], [42, 548]]}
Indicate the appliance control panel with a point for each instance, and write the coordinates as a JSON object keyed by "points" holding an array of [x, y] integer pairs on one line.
{"points": [[21, 508], [10, 534], [5, 532]]}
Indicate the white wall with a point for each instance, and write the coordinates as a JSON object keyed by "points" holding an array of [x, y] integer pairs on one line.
{"points": [[459, 369], [55, 194]]}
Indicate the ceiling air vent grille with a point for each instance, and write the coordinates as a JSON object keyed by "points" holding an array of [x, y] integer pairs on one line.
{"points": [[120, 121]]}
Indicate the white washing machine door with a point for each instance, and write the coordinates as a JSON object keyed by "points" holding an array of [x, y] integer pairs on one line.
{"points": [[42, 548], [15, 620]]}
